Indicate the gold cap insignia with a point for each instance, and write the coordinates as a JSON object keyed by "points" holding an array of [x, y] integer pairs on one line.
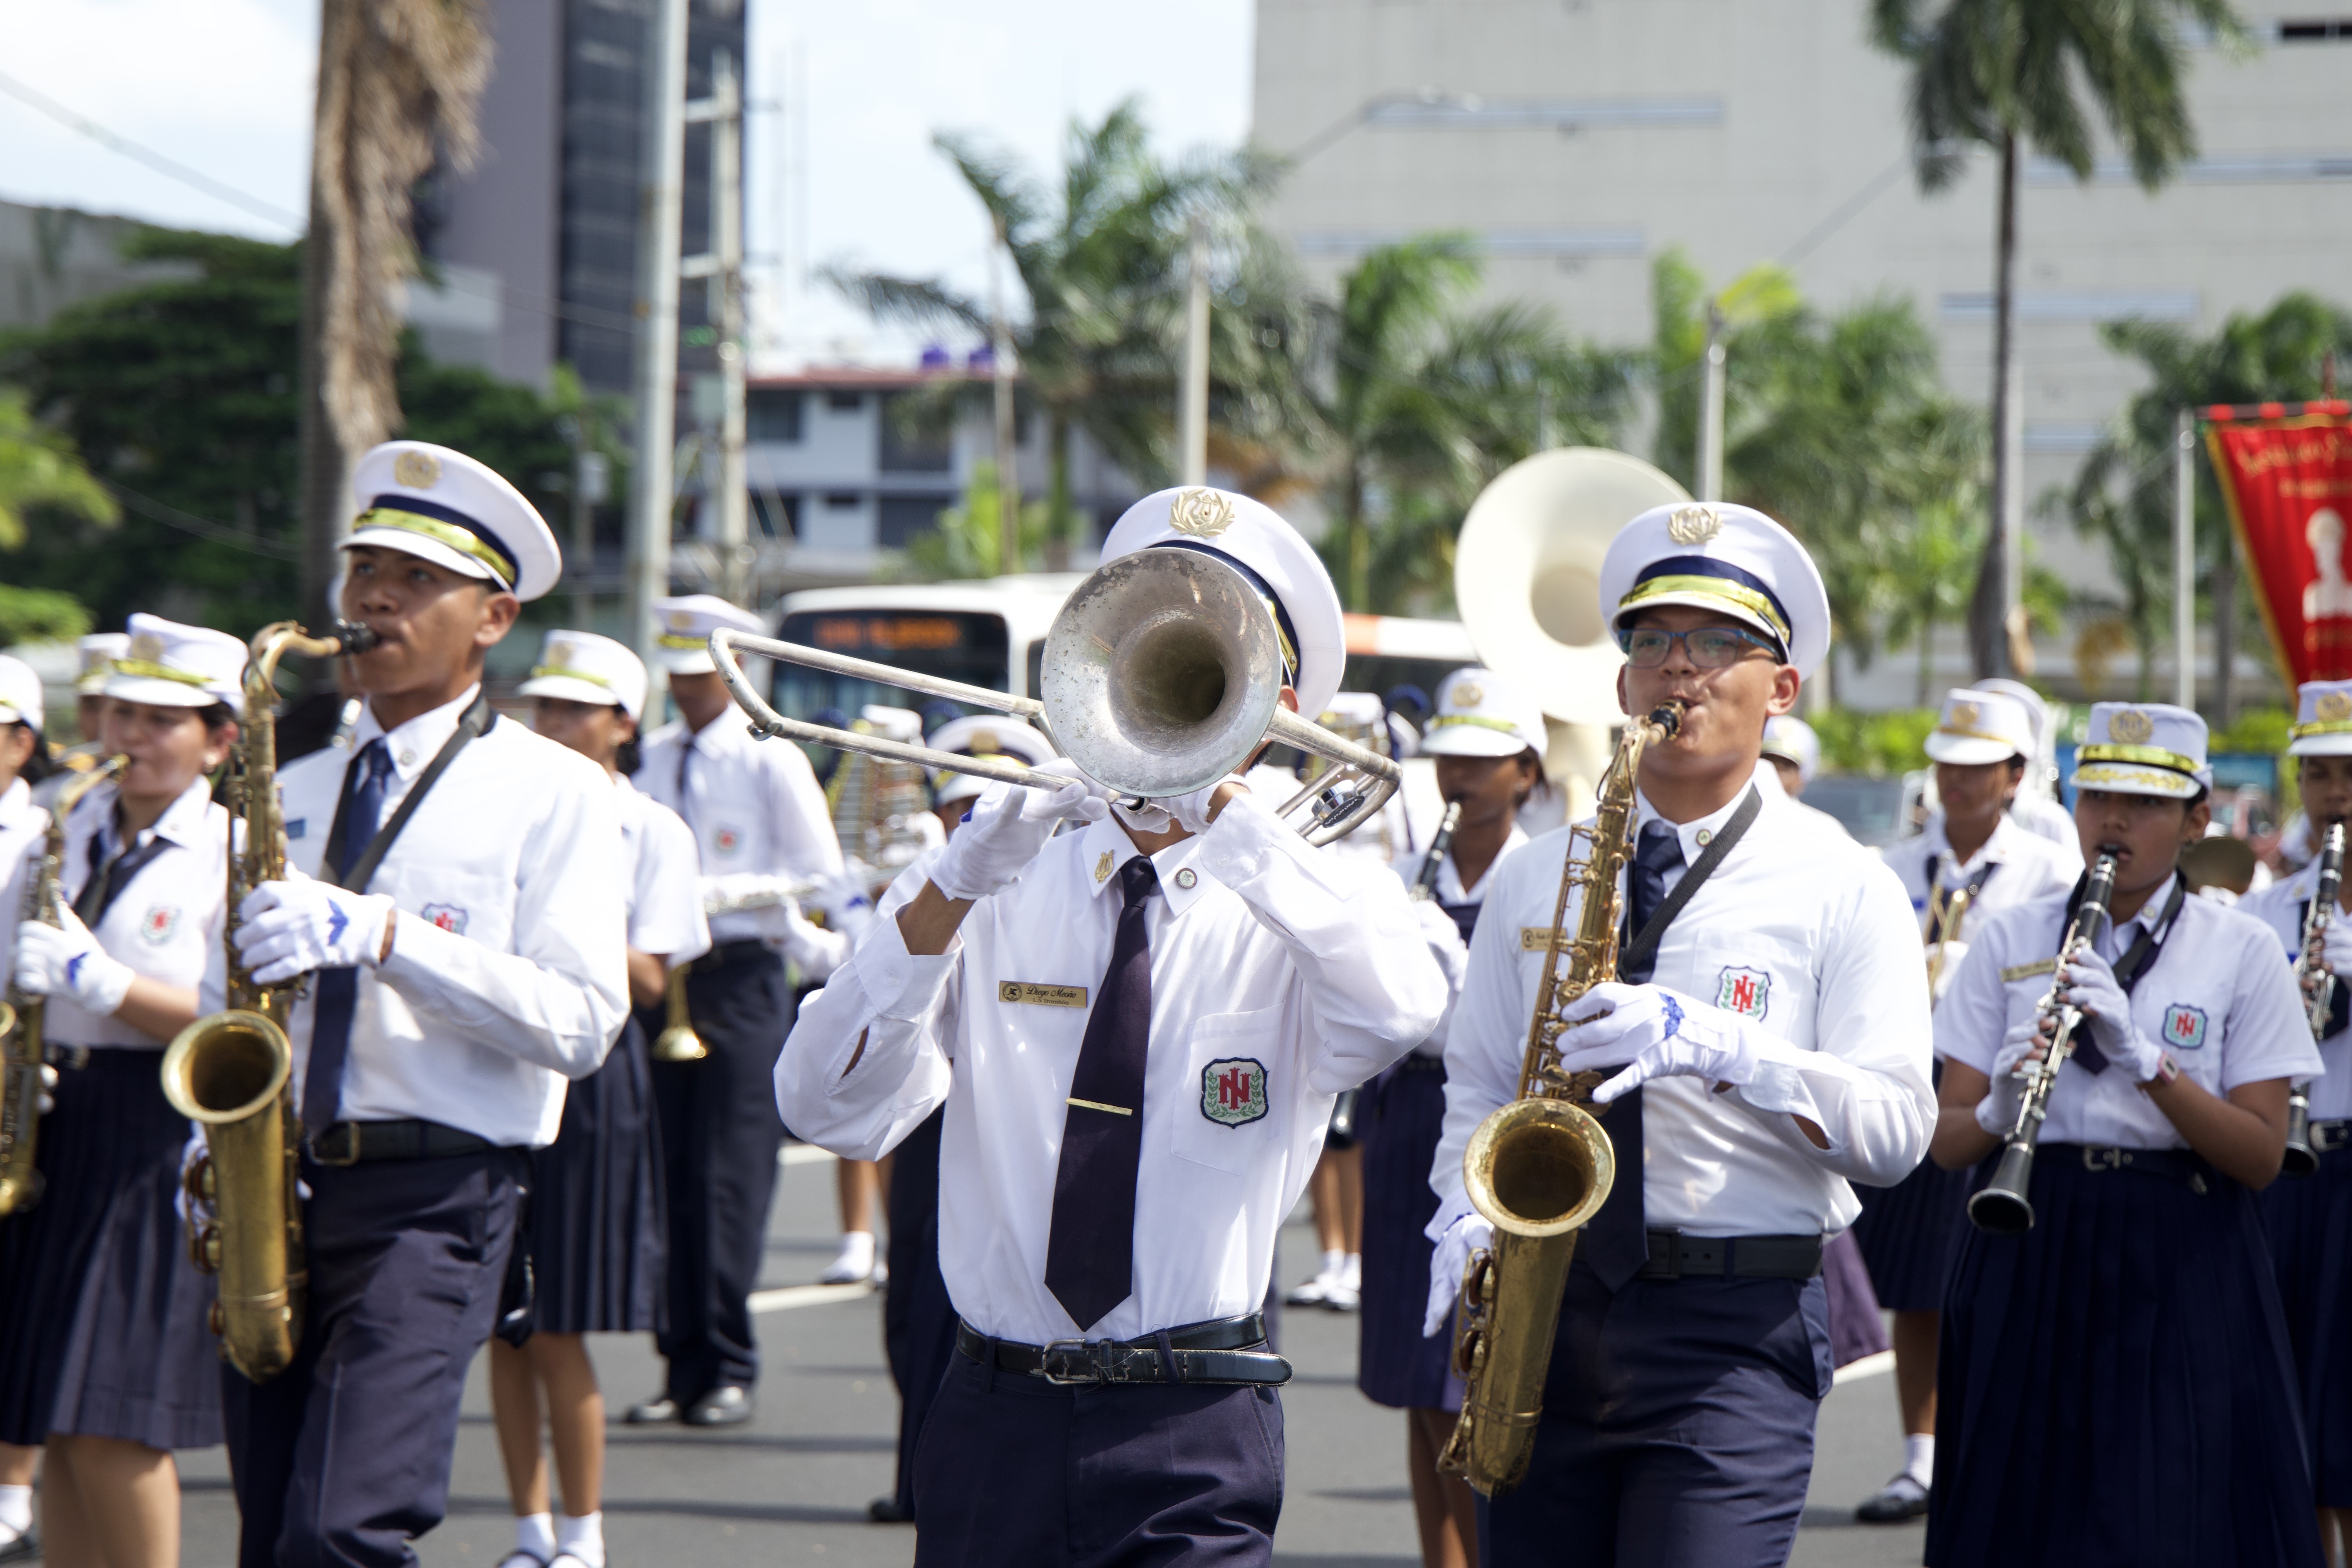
{"points": [[2131, 727], [417, 470], [1469, 694], [2334, 706], [1965, 713], [148, 646], [1200, 514], [681, 620], [983, 743], [562, 653], [1692, 525], [1102, 867]]}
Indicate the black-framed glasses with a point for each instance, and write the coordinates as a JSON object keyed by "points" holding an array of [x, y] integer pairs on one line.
{"points": [[1710, 647]]}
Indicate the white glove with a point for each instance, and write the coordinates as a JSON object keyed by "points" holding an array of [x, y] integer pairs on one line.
{"points": [[846, 908], [2092, 986], [1997, 1111], [815, 952], [1469, 1231], [2336, 947], [192, 1211], [1008, 824], [1656, 1032], [66, 961], [292, 927], [1191, 811]]}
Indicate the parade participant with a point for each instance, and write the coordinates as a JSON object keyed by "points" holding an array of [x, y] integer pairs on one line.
{"points": [[595, 1225], [2308, 1220], [1489, 742], [1770, 995], [23, 762], [106, 1355], [1197, 983], [996, 736], [2115, 1383], [2035, 804], [1794, 751], [98, 653], [1974, 859], [453, 896], [759, 822]]}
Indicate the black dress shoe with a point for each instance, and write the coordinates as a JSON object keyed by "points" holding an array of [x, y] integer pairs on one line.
{"points": [[727, 1405], [1900, 1499], [886, 1511], [658, 1411]]}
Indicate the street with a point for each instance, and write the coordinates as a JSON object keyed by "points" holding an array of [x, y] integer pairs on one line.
{"points": [[794, 1485]]}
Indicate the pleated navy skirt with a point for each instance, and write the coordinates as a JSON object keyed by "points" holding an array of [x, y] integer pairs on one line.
{"points": [[2114, 1386], [595, 1218], [1402, 1113], [1908, 1234], [2309, 1222], [105, 1326]]}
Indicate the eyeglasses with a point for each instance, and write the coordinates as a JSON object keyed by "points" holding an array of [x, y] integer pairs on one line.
{"points": [[1710, 647]]}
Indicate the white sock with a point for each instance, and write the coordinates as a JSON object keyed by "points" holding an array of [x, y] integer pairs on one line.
{"points": [[1919, 1458], [583, 1536], [1334, 1263], [1351, 1273], [858, 1249], [16, 1509], [535, 1534]]}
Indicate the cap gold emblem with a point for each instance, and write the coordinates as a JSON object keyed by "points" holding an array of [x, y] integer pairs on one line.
{"points": [[681, 620], [1200, 514], [1965, 713], [147, 645], [983, 743], [1692, 525], [2131, 727], [417, 470], [1469, 694], [2334, 707]]}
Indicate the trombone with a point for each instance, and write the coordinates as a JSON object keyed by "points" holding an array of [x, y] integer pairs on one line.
{"points": [[1162, 674]]}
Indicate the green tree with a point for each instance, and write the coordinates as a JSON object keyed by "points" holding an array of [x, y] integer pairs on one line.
{"points": [[2008, 74], [40, 468], [970, 535]]}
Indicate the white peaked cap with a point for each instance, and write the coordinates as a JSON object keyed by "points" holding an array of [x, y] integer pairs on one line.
{"points": [[98, 651], [1786, 735], [20, 693], [442, 506], [173, 666], [2322, 719], [1730, 559], [1480, 714], [1977, 726], [2143, 747], [581, 666], [681, 647]]}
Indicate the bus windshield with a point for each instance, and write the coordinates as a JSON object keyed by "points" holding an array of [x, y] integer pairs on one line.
{"points": [[971, 647]]}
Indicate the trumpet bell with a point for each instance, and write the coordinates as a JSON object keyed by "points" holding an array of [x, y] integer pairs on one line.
{"points": [[224, 1068], [679, 1043], [1539, 1167], [1162, 673]]}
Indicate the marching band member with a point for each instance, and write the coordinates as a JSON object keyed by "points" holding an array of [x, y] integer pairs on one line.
{"points": [[452, 894], [106, 1353], [2116, 1384], [1489, 742], [2308, 1220], [1137, 1029], [595, 1207], [758, 821], [23, 762], [1973, 859], [98, 653], [1795, 753], [2035, 805], [1771, 1013]]}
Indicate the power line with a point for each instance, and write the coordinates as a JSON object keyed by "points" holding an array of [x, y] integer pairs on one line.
{"points": [[194, 178], [203, 527]]}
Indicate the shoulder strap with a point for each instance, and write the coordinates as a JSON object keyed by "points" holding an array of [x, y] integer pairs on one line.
{"points": [[1645, 945], [478, 720]]}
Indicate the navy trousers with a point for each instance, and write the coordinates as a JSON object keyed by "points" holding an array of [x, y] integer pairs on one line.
{"points": [[343, 1458], [1012, 1470], [719, 1135], [918, 1320], [1678, 1427]]}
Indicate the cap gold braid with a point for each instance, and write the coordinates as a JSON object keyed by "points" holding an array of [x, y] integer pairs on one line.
{"points": [[446, 533], [540, 671], [1735, 594], [2154, 756]]}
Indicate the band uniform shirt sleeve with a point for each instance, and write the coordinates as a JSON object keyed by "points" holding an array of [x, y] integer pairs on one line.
{"points": [[507, 972], [1244, 1039], [23, 827], [753, 806], [664, 906], [2280, 907], [2215, 996], [165, 922]]}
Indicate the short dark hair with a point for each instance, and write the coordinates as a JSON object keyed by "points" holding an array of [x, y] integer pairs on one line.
{"points": [[216, 715], [39, 764]]}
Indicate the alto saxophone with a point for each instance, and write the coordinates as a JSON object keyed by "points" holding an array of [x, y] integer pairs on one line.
{"points": [[1540, 1167], [24, 1077], [230, 1073]]}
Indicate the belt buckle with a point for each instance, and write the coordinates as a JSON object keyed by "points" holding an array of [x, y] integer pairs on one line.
{"points": [[351, 1145], [2327, 1137], [1045, 1366], [73, 1058], [2096, 1158], [1671, 1255]]}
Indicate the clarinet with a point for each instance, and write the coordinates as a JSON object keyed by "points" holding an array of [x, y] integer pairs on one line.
{"points": [[2002, 1208], [1424, 885], [2318, 985]]}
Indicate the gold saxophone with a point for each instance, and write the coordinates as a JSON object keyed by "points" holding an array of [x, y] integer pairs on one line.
{"points": [[1540, 1167], [230, 1073], [24, 1077]]}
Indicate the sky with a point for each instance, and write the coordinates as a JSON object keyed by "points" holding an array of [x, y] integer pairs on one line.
{"points": [[224, 87]]}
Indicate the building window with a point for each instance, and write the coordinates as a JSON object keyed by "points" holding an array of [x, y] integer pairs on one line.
{"points": [[844, 402], [903, 517], [2311, 30], [842, 500], [912, 451], [778, 516], [773, 416]]}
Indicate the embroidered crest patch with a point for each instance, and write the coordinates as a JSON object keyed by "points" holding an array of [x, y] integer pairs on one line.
{"points": [[1232, 1091], [158, 923], [2184, 1027], [1746, 992], [727, 840], [448, 917]]}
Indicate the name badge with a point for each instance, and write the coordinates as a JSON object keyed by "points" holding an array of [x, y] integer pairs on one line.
{"points": [[1041, 996], [2028, 971], [1535, 938]]}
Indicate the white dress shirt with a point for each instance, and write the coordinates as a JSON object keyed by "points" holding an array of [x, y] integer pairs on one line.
{"points": [[2280, 906], [509, 971], [664, 893], [1449, 892], [753, 805], [1811, 933], [2215, 996], [2027, 866], [1312, 966], [165, 922], [23, 830]]}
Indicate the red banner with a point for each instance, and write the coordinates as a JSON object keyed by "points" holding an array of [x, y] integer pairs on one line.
{"points": [[2287, 478]]}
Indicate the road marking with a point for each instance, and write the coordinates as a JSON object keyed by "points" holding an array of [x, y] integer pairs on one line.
{"points": [[803, 1154], [1852, 1372], [786, 1298]]}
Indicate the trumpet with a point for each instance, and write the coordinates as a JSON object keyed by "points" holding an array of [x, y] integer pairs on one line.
{"points": [[1945, 913], [2318, 984], [1162, 674], [678, 1042]]}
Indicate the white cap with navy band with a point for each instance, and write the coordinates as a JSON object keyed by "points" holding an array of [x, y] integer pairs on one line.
{"points": [[581, 666], [445, 507], [1481, 714], [1730, 559]]}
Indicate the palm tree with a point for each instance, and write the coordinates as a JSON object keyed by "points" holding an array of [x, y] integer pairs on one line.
{"points": [[1996, 73]]}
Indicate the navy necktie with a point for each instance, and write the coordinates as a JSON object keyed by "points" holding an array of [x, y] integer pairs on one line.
{"points": [[339, 989], [1617, 1242], [685, 754], [1090, 1254]]}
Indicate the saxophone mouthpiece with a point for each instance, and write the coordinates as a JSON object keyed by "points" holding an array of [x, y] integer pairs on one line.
{"points": [[356, 637], [1668, 718]]}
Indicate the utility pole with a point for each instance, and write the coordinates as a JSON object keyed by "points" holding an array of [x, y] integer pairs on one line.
{"points": [[721, 268], [660, 203], [2019, 648], [2184, 560], [1000, 365], [1192, 423], [1710, 408]]}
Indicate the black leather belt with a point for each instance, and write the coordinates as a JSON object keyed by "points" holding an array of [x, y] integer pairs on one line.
{"points": [[1415, 1062], [732, 952], [2178, 1165], [1674, 1256], [361, 1143], [74, 1059], [1226, 1350], [2327, 1137]]}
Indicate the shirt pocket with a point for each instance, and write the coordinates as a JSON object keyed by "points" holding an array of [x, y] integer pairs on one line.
{"points": [[1228, 1115], [464, 903], [1764, 980]]}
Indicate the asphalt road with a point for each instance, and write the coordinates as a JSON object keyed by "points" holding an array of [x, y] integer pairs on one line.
{"points": [[793, 1487]]}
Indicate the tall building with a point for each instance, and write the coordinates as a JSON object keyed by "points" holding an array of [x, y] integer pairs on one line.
{"points": [[1580, 139]]}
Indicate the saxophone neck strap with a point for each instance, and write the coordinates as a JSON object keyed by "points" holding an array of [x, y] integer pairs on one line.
{"points": [[1640, 953], [478, 719]]}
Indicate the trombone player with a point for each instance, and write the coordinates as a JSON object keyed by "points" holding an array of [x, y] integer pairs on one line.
{"points": [[1773, 1051], [1137, 1029]]}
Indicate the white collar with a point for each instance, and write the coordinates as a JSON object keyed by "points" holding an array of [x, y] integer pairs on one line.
{"points": [[1996, 849], [719, 736], [183, 821], [1695, 835], [1108, 848], [16, 801], [414, 743], [1511, 840], [2152, 911]]}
